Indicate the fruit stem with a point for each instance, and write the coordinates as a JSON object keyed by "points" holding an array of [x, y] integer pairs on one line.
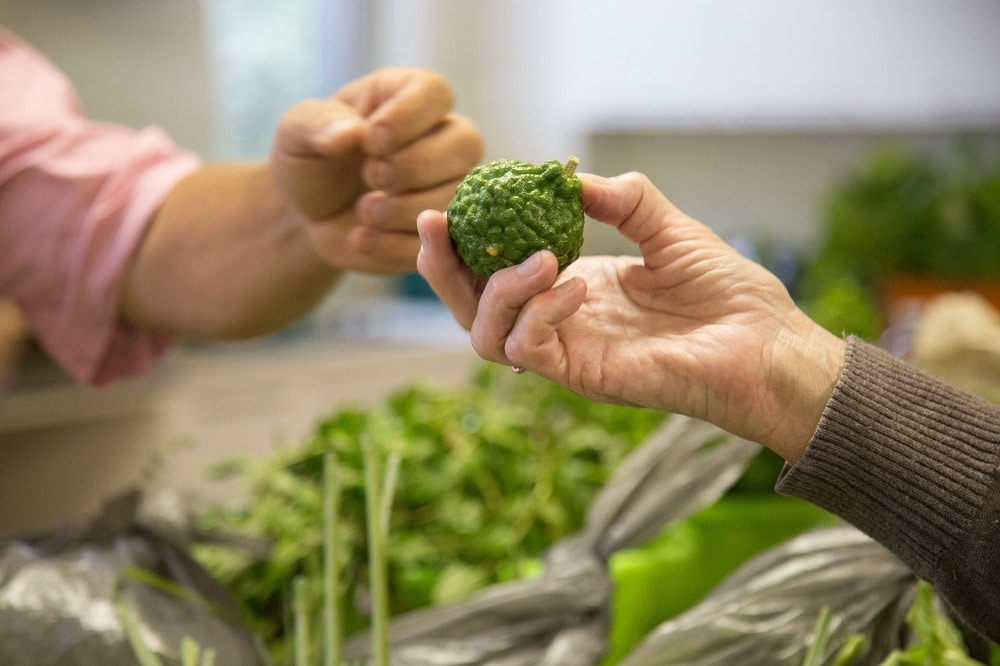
{"points": [[570, 167]]}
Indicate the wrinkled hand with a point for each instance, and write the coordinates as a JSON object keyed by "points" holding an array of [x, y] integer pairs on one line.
{"points": [[360, 165], [690, 327]]}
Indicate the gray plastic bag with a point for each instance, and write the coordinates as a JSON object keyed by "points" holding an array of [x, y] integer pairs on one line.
{"points": [[765, 613], [561, 617], [65, 597]]}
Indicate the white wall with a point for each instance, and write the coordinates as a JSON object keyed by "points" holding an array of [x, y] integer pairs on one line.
{"points": [[786, 63], [136, 62], [678, 81], [538, 75], [743, 112]]}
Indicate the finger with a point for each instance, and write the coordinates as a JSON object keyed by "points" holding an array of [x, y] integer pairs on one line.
{"points": [[445, 272], [327, 127], [399, 104], [383, 252], [534, 343], [360, 248], [506, 293], [629, 202], [445, 153], [642, 214], [398, 211], [317, 156]]}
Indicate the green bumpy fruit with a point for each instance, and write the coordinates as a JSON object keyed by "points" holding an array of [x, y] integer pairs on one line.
{"points": [[505, 211]]}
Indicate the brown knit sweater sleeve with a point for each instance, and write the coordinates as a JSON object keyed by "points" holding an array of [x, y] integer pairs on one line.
{"points": [[912, 462]]}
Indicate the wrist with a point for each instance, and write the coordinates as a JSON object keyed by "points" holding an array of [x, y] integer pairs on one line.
{"points": [[804, 368], [290, 225], [249, 268]]}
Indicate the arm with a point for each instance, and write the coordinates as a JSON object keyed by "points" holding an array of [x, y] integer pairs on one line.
{"points": [[109, 235], [693, 327], [224, 258], [914, 463], [239, 250]]}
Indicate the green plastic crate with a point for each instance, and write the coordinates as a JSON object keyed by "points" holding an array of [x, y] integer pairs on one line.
{"points": [[678, 568]]}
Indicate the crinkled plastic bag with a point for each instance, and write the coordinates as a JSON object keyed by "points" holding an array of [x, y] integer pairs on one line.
{"points": [[65, 597], [766, 612], [561, 617]]}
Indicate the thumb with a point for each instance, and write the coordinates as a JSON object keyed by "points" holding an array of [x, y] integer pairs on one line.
{"points": [[641, 213]]}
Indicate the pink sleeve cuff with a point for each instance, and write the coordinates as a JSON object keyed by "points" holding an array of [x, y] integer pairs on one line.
{"points": [[112, 349], [76, 198]]}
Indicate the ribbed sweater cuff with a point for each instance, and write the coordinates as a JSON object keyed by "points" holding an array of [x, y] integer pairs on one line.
{"points": [[905, 458]]}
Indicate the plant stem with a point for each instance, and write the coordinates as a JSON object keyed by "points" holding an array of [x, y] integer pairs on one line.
{"points": [[821, 636], [376, 556], [570, 167], [189, 652], [300, 604], [143, 653], [332, 617], [388, 490]]}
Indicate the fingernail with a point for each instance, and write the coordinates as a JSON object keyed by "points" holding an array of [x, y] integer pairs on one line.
{"points": [[530, 266], [567, 286]]}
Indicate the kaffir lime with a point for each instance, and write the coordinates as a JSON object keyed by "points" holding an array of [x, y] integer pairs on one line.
{"points": [[505, 211]]}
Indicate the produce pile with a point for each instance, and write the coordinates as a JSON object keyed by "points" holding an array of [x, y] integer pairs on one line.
{"points": [[490, 476]]}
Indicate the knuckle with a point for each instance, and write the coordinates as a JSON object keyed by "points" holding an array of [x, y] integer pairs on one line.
{"points": [[438, 84], [636, 179], [514, 348]]}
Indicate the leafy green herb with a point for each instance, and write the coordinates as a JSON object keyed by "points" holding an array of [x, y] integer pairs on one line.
{"points": [[191, 654], [938, 640], [490, 476], [847, 653]]}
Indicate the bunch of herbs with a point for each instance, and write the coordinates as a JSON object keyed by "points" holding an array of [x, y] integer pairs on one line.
{"points": [[490, 476]]}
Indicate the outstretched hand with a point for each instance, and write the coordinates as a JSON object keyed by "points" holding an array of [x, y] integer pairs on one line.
{"points": [[360, 165], [691, 326]]}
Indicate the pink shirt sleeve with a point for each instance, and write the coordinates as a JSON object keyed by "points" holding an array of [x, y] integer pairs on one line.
{"points": [[76, 197]]}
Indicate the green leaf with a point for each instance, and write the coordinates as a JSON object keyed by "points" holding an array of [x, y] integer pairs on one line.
{"points": [[490, 475]]}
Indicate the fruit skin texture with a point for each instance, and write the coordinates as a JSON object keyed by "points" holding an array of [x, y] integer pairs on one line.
{"points": [[505, 211]]}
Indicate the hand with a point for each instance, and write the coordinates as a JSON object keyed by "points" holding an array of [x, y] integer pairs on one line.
{"points": [[690, 327], [360, 165]]}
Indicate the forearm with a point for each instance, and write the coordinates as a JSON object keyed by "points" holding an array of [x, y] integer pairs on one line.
{"points": [[915, 464], [225, 257]]}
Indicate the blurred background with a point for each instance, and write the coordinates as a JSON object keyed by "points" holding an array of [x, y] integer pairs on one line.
{"points": [[748, 115]]}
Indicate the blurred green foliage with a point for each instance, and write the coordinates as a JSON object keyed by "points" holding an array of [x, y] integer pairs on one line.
{"points": [[901, 212]]}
